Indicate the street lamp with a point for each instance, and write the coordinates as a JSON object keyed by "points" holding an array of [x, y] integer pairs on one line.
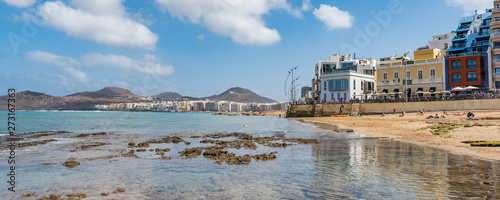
{"points": [[406, 75]]}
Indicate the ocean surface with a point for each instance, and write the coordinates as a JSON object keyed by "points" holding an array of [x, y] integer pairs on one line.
{"points": [[343, 165]]}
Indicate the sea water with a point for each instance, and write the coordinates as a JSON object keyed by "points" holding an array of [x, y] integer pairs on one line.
{"points": [[343, 165]]}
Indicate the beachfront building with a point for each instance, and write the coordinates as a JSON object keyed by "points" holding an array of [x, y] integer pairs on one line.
{"points": [[442, 41], [469, 55], [495, 44], [343, 77], [424, 73]]}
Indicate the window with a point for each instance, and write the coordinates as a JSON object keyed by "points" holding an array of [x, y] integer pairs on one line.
{"points": [[497, 19], [498, 7], [333, 96], [408, 74], [471, 63], [337, 85], [338, 96], [354, 84], [420, 74], [396, 75], [324, 95], [496, 58], [456, 64], [433, 73], [362, 85], [496, 45], [471, 76], [496, 32], [497, 72], [345, 95], [497, 84], [385, 76], [324, 87], [456, 77]]}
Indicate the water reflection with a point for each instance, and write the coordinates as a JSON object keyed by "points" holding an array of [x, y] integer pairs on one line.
{"points": [[364, 168]]}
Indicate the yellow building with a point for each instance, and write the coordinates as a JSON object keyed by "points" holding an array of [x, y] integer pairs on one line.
{"points": [[424, 73]]}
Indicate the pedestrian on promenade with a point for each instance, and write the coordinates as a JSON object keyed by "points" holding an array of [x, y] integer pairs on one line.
{"points": [[394, 111]]}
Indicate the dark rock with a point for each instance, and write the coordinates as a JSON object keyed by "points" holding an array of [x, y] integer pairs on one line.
{"points": [[28, 195], [77, 195], [141, 150], [104, 194], [191, 153], [144, 144], [131, 145], [71, 163]]}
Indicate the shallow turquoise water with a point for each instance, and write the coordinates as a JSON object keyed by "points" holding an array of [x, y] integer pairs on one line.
{"points": [[343, 165]]}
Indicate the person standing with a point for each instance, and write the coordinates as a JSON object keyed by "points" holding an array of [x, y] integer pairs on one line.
{"points": [[394, 111]]}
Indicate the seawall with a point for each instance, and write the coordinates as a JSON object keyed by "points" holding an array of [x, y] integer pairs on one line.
{"points": [[319, 110]]}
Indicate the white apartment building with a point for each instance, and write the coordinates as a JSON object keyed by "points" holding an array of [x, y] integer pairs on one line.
{"points": [[343, 77]]}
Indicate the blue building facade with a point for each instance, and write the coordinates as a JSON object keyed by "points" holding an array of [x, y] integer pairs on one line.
{"points": [[468, 57]]}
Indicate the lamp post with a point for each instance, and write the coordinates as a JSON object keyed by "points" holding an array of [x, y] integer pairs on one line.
{"points": [[293, 91], [406, 75]]}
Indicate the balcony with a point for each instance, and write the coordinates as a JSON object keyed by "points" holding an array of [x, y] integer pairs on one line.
{"points": [[457, 46], [465, 54], [463, 27], [459, 37], [483, 33], [407, 82], [482, 43], [485, 24]]}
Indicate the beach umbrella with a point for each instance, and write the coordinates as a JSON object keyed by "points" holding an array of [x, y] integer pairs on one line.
{"points": [[419, 92], [471, 88], [458, 89], [446, 92]]}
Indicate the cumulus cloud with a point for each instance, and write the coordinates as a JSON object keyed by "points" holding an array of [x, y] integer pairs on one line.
{"points": [[150, 64], [200, 37], [469, 6], [105, 22], [66, 64], [20, 3], [306, 5], [333, 18], [240, 20]]}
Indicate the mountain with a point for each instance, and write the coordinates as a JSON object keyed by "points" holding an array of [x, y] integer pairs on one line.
{"points": [[33, 100], [242, 95], [169, 95], [107, 92]]}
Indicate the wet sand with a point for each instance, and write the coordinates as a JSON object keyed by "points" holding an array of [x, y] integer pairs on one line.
{"points": [[412, 128]]}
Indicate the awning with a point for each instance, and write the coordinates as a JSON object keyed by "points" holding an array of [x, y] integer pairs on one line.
{"points": [[432, 89]]}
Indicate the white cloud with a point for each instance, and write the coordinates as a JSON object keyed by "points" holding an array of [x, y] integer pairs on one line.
{"points": [[333, 18], [66, 64], [469, 6], [20, 3], [150, 64], [306, 5], [104, 22], [200, 37], [51, 59], [240, 20]]}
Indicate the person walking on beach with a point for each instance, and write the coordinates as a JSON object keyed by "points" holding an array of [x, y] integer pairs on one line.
{"points": [[394, 111]]}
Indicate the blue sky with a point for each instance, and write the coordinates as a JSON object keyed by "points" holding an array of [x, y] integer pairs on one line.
{"points": [[203, 47]]}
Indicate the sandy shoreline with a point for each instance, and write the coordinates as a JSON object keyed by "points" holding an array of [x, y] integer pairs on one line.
{"points": [[411, 128]]}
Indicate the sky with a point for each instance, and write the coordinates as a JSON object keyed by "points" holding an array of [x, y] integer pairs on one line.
{"points": [[203, 47]]}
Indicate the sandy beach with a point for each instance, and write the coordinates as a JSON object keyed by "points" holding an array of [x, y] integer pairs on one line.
{"points": [[411, 128]]}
